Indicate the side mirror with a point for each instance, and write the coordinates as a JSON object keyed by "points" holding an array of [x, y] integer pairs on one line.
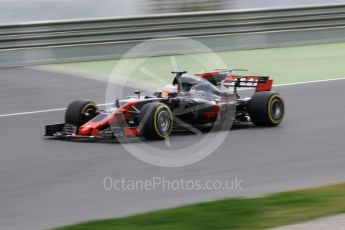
{"points": [[137, 92], [177, 76]]}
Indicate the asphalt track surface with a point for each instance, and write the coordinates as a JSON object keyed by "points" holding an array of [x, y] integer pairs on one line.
{"points": [[48, 183]]}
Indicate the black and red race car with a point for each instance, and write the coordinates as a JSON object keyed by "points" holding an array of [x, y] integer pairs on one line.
{"points": [[199, 101]]}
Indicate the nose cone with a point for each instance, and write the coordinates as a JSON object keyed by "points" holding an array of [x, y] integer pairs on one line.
{"points": [[85, 130]]}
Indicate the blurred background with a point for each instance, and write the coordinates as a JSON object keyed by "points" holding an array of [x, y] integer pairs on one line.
{"points": [[44, 184], [42, 10]]}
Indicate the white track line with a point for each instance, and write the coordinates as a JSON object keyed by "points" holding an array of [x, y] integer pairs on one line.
{"points": [[31, 112], [61, 109], [308, 82], [40, 111]]}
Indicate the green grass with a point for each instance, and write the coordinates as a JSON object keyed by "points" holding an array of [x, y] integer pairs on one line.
{"points": [[237, 213], [285, 65]]}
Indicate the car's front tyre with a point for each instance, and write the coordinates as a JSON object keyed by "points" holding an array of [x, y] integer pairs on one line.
{"points": [[80, 111], [156, 121]]}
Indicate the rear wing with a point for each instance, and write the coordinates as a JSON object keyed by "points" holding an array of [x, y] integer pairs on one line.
{"points": [[260, 83]]}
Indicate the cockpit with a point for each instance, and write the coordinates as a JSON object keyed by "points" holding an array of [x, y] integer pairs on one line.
{"points": [[192, 83], [189, 84]]}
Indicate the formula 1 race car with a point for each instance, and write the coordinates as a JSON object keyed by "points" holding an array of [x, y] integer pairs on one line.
{"points": [[193, 101]]}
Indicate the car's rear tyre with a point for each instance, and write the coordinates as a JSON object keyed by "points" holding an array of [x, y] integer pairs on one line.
{"points": [[266, 109], [80, 111], [155, 121]]}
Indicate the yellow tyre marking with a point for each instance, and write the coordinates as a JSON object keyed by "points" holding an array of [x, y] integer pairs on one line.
{"points": [[274, 121], [87, 105], [155, 121]]}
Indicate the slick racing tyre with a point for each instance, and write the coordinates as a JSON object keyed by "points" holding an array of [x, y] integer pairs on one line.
{"points": [[155, 121], [266, 109], [80, 111]]}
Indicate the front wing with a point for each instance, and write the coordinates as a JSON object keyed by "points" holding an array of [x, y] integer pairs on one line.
{"points": [[68, 131]]}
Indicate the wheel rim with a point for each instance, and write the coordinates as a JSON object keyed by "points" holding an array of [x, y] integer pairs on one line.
{"points": [[88, 112], [277, 109], [164, 121]]}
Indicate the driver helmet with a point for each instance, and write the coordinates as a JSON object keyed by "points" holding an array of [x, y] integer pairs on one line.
{"points": [[169, 89]]}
